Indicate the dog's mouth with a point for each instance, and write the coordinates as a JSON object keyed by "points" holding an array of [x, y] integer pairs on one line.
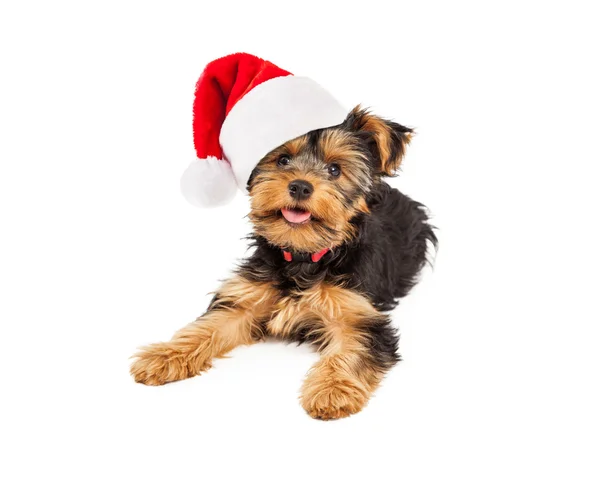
{"points": [[296, 216]]}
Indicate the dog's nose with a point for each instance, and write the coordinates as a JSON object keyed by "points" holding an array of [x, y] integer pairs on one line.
{"points": [[300, 189]]}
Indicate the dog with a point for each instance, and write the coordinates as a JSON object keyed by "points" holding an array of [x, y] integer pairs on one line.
{"points": [[335, 248]]}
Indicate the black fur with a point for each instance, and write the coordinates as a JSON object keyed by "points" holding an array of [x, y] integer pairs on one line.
{"points": [[386, 254], [382, 262], [382, 341]]}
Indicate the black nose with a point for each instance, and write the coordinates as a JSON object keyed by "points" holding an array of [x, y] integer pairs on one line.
{"points": [[300, 190]]}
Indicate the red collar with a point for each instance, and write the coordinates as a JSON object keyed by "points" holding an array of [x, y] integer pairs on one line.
{"points": [[306, 257]]}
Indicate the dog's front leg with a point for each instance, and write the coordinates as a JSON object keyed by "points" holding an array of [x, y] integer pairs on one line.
{"points": [[358, 346], [232, 319]]}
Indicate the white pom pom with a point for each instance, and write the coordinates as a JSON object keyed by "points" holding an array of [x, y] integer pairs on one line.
{"points": [[208, 182]]}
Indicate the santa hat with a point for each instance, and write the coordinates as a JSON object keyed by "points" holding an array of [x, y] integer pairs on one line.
{"points": [[245, 107]]}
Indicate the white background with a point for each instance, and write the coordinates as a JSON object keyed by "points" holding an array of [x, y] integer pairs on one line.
{"points": [[101, 254]]}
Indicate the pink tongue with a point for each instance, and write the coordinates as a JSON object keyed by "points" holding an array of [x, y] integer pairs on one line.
{"points": [[295, 216]]}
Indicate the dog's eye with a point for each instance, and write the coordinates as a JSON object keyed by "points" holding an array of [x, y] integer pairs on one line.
{"points": [[283, 160], [334, 170]]}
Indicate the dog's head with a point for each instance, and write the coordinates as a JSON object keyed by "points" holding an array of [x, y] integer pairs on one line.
{"points": [[305, 193]]}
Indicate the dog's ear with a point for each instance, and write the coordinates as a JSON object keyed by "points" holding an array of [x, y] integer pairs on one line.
{"points": [[387, 140]]}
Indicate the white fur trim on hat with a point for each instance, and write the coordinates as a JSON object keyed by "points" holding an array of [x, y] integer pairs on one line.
{"points": [[271, 114], [208, 182]]}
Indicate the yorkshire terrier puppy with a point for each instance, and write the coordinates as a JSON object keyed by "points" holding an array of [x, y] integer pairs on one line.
{"points": [[335, 248]]}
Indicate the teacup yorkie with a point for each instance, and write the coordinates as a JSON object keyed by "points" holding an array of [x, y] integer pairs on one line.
{"points": [[335, 248]]}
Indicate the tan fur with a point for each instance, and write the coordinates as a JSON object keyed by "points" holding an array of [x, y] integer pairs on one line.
{"points": [[338, 386], [330, 226], [293, 147], [337, 145], [192, 349], [361, 205], [382, 138], [382, 134], [343, 380], [339, 309], [341, 383], [271, 196]]}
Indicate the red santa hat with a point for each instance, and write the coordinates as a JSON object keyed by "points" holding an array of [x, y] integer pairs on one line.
{"points": [[245, 107]]}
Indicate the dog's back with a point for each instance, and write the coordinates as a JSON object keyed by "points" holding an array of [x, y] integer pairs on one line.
{"points": [[392, 247]]}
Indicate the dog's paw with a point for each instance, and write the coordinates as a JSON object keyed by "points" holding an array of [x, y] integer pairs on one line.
{"points": [[158, 364], [328, 396]]}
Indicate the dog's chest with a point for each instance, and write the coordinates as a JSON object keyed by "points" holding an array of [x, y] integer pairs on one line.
{"points": [[323, 305], [291, 311]]}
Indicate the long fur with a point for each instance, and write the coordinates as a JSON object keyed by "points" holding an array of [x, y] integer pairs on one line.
{"points": [[378, 240], [382, 261]]}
